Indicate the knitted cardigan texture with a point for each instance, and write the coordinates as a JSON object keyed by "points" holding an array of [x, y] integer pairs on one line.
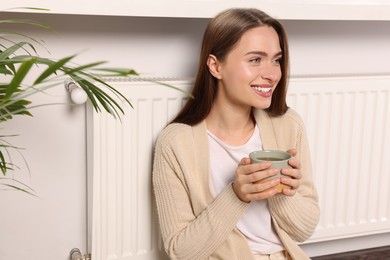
{"points": [[195, 225]]}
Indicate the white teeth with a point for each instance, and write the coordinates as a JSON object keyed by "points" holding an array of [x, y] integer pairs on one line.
{"points": [[264, 90]]}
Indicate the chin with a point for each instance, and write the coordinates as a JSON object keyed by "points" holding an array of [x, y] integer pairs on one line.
{"points": [[262, 106]]}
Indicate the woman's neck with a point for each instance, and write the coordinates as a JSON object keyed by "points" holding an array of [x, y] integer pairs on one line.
{"points": [[233, 127]]}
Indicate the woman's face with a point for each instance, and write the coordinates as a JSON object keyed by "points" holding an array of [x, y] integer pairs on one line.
{"points": [[251, 71]]}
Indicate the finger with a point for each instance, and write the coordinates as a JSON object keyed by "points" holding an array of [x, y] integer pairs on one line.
{"points": [[293, 183], [263, 195], [294, 173], [258, 191], [267, 190], [245, 161], [264, 185], [243, 167], [293, 152], [253, 168], [289, 192], [256, 182], [293, 162], [261, 176]]}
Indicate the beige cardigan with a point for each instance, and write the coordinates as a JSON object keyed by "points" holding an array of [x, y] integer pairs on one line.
{"points": [[194, 224]]}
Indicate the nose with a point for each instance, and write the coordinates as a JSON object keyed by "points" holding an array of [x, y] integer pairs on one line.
{"points": [[270, 72]]}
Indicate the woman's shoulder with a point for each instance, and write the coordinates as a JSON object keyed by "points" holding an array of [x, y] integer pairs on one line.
{"points": [[290, 117], [293, 116], [174, 131], [289, 120]]}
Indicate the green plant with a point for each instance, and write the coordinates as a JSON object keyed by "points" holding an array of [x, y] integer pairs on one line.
{"points": [[19, 59]]}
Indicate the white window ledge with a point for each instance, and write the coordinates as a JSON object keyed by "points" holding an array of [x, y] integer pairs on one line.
{"points": [[375, 10]]}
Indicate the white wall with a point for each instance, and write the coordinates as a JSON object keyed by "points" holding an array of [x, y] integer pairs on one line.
{"points": [[169, 47], [331, 47]]}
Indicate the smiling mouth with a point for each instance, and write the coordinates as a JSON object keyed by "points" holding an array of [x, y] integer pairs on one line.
{"points": [[262, 89]]}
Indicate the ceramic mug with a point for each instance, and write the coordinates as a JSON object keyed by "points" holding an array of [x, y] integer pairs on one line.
{"points": [[278, 159]]}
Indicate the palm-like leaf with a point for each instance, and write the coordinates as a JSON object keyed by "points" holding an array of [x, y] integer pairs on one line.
{"points": [[17, 61]]}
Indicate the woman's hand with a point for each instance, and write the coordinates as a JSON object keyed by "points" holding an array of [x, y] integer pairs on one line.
{"points": [[294, 173], [248, 184]]}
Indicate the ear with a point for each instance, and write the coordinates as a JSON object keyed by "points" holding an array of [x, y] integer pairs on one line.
{"points": [[214, 66]]}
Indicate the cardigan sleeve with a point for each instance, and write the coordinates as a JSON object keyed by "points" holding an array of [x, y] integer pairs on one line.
{"points": [[187, 235], [298, 215]]}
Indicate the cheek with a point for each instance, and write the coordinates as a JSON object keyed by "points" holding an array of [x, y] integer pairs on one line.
{"points": [[246, 72], [277, 74], [280, 72]]}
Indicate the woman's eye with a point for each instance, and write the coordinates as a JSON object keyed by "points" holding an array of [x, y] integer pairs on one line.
{"points": [[278, 60], [255, 60]]}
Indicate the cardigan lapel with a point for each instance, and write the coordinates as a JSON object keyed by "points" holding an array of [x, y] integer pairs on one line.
{"points": [[202, 152], [267, 133]]}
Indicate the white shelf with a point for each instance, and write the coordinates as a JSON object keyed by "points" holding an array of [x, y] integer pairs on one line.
{"points": [[281, 9]]}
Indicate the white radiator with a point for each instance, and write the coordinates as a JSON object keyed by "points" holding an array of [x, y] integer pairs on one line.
{"points": [[348, 122]]}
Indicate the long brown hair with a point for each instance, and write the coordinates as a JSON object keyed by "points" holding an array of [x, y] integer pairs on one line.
{"points": [[221, 35]]}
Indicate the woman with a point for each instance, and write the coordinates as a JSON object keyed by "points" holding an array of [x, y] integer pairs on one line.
{"points": [[211, 203]]}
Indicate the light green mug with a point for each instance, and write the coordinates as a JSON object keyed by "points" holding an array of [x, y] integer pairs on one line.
{"points": [[278, 159]]}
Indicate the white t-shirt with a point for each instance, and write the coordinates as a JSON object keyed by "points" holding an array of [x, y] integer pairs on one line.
{"points": [[256, 222]]}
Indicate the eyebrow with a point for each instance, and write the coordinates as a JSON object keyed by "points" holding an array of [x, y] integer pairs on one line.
{"points": [[263, 53]]}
